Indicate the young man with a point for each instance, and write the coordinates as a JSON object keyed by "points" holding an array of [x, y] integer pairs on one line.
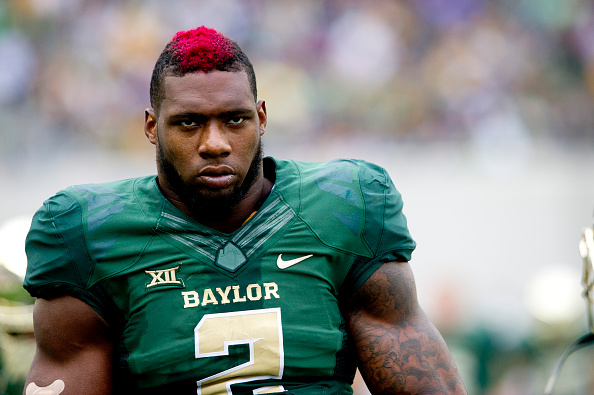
{"points": [[227, 273]]}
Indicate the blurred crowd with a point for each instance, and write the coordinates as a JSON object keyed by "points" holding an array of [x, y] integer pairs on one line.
{"points": [[491, 72], [496, 75]]}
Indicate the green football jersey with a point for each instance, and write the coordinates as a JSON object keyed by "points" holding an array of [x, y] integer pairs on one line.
{"points": [[256, 311]]}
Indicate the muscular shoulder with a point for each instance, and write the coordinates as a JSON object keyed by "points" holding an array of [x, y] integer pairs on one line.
{"points": [[84, 200], [344, 183], [350, 200], [79, 227], [108, 206]]}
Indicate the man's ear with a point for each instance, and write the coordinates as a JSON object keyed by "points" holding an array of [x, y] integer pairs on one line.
{"points": [[262, 116], [150, 125]]}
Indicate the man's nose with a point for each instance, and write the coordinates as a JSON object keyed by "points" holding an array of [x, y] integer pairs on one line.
{"points": [[214, 141]]}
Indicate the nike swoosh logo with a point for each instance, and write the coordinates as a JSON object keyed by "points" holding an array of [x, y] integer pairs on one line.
{"points": [[282, 264]]}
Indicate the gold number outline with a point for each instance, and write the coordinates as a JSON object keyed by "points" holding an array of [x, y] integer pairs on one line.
{"points": [[251, 341]]}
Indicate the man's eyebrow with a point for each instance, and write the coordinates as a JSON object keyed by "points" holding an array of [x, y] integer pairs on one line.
{"points": [[236, 112], [184, 116], [196, 115]]}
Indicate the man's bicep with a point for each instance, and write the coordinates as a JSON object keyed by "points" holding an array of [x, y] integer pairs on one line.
{"points": [[389, 293], [398, 348], [73, 346]]}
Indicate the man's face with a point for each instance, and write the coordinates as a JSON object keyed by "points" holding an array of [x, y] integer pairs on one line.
{"points": [[207, 135]]}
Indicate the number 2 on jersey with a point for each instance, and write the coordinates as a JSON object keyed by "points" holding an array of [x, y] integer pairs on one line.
{"points": [[260, 329]]}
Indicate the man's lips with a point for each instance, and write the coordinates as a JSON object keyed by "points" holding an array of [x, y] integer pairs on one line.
{"points": [[216, 177]]}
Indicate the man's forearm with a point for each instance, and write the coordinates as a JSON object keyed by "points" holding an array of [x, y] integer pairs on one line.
{"points": [[411, 360], [399, 350]]}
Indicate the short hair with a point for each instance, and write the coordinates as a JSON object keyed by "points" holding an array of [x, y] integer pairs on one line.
{"points": [[201, 49]]}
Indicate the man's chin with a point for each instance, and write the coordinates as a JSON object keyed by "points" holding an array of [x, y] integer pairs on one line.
{"points": [[212, 204]]}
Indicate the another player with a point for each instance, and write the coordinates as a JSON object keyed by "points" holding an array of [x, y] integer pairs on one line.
{"points": [[227, 273]]}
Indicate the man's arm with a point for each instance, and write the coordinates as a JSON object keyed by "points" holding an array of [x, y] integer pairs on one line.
{"points": [[399, 349], [73, 346]]}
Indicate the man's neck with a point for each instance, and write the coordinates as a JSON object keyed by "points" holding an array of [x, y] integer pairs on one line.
{"points": [[248, 205], [251, 202]]}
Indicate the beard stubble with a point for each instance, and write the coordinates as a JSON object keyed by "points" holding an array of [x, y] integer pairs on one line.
{"points": [[206, 204]]}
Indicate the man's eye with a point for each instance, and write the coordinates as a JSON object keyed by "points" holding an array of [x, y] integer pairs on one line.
{"points": [[236, 120], [188, 124]]}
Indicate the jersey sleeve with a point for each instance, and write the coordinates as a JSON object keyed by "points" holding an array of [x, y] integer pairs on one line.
{"points": [[58, 261], [385, 230]]}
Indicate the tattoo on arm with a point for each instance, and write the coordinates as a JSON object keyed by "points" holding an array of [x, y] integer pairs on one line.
{"points": [[399, 350]]}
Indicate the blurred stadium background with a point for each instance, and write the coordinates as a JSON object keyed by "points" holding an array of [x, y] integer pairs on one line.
{"points": [[481, 110]]}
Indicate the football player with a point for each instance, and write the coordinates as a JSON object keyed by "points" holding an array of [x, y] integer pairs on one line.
{"points": [[227, 272]]}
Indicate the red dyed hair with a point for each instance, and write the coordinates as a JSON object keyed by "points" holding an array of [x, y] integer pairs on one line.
{"points": [[201, 49]]}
